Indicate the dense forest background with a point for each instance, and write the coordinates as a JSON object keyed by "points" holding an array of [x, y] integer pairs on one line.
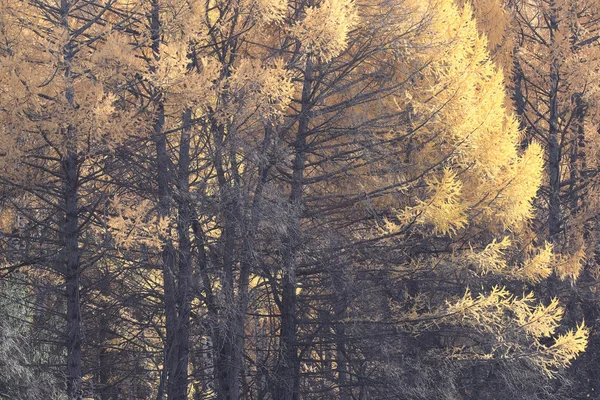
{"points": [[299, 199]]}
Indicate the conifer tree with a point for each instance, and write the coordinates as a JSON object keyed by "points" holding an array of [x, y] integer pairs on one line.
{"points": [[60, 118], [555, 93], [464, 180]]}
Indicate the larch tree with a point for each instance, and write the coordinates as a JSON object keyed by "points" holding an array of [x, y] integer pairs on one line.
{"points": [[463, 181], [60, 121], [452, 131], [212, 101], [555, 90], [494, 20], [556, 95]]}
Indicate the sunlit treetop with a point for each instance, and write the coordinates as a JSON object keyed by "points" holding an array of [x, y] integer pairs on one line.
{"points": [[463, 124], [323, 31]]}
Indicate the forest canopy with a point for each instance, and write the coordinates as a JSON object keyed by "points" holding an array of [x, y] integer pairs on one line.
{"points": [[299, 199]]}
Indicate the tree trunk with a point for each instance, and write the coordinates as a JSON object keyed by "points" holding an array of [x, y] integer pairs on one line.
{"points": [[519, 100], [554, 150], [578, 162], [287, 371], [71, 232], [226, 365], [169, 260], [176, 281], [340, 310], [183, 288], [70, 228]]}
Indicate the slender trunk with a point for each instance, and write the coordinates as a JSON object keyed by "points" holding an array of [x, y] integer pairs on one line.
{"points": [[239, 321], [225, 370], [554, 150], [226, 367], [201, 362], [241, 303], [70, 228], [519, 99], [174, 374], [517, 95], [168, 252], [340, 310], [206, 364], [168, 258], [104, 366], [577, 161], [554, 156], [71, 231], [287, 372], [180, 375]]}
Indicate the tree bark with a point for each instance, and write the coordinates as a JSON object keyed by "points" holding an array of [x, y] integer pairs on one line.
{"points": [[176, 262], [226, 366], [70, 229], [578, 161], [71, 232], [554, 149], [183, 289], [287, 371]]}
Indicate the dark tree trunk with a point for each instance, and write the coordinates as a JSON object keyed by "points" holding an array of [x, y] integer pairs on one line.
{"points": [[70, 229], [183, 289], [71, 251], [578, 165], [105, 389], [176, 262], [287, 371], [554, 149], [340, 310], [519, 100], [227, 370], [168, 259]]}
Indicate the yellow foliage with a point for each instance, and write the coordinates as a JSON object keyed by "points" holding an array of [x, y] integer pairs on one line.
{"points": [[135, 224], [38, 72], [494, 21], [271, 11], [443, 207], [324, 30], [463, 123], [503, 315], [537, 320], [114, 57], [517, 190], [171, 68], [537, 268], [491, 259], [565, 348], [259, 88], [483, 311], [569, 266]]}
